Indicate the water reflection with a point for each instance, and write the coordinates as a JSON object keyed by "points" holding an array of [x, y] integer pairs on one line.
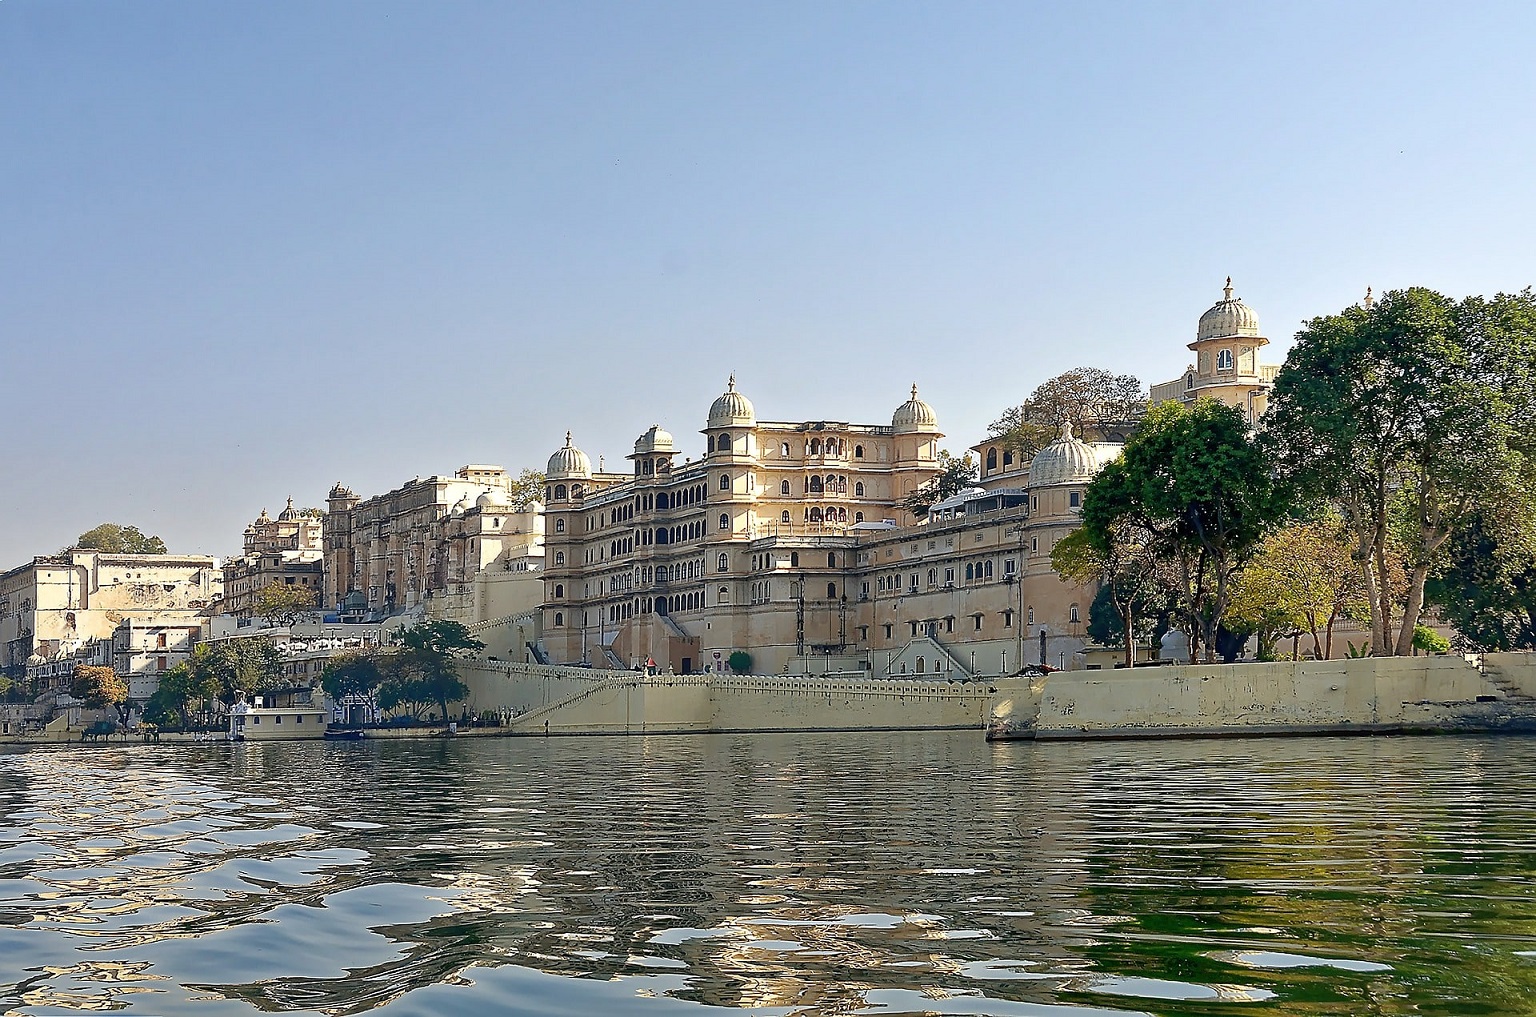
{"points": [[796, 875]]}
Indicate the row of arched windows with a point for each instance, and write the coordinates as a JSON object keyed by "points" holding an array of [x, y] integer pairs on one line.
{"points": [[992, 458]]}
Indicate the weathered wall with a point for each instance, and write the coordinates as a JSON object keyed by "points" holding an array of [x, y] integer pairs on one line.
{"points": [[1371, 694]]}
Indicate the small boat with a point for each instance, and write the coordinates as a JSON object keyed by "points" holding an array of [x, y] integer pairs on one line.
{"points": [[345, 734]]}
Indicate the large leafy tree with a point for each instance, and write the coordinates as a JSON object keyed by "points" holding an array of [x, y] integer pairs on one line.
{"points": [[1132, 582], [953, 476], [238, 668], [1486, 583], [1090, 399], [100, 688], [1196, 488], [424, 667], [179, 688], [352, 674], [115, 538], [1408, 415], [1303, 578], [282, 604]]}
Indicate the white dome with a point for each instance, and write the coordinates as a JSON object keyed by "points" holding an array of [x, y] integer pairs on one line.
{"points": [[288, 514], [492, 498], [654, 440], [1069, 460], [569, 462], [732, 409], [914, 415], [1228, 317]]}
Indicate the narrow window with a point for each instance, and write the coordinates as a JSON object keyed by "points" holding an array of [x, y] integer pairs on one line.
{"points": [[725, 521], [725, 482], [724, 562], [783, 517], [858, 489]]}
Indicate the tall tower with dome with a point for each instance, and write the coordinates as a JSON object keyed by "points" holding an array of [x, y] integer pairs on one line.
{"points": [[1226, 366]]}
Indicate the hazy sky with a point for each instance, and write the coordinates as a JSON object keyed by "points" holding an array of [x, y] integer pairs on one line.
{"points": [[250, 249]]}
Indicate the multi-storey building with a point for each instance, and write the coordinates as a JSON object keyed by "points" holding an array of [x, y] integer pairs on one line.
{"points": [[457, 547], [788, 541], [286, 551], [1227, 367], [55, 605]]}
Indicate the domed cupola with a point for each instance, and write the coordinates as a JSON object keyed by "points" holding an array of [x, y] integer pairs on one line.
{"points": [[569, 463], [655, 440], [493, 498], [914, 415], [1228, 317], [288, 514], [1067, 460], [732, 409]]}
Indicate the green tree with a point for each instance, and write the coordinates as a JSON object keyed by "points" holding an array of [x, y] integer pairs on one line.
{"points": [[178, 689], [100, 688], [237, 668], [1302, 579], [282, 604], [526, 490], [1196, 488], [1092, 400], [115, 538], [953, 476], [1407, 416], [426, 662], [1485, 586], [740, 661], [351, 674], [1127, 572]]}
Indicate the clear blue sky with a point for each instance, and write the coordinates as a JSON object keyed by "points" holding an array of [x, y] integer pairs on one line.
{"points": [[250, 249]]}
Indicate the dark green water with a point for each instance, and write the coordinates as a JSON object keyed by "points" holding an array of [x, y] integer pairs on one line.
{"points": [[792, 875]]}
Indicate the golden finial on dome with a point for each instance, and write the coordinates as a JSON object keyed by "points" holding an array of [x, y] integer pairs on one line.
{"points": [[567, 439], [730, 386], [1369, 301], [914, 390], [1228, 288]]}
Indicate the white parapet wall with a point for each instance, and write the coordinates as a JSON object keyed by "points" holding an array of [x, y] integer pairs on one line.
{"points": [[1374, 694], [563, 700]]}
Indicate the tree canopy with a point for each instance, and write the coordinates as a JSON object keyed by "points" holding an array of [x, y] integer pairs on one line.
{"points": [[237, 668], [352, 674], [1408, 416], [114, 538], [1195, 489], [1088, 398], [1303, 578], [1486, 583], [100, 688], [423, 668], [282, 604], [527, 489]]}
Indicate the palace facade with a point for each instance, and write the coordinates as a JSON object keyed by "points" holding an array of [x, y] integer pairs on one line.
{"points": [[452, 547], [286, 551], [788, 542]]}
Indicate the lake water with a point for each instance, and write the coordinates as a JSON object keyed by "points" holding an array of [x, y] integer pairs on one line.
{"points": [[794, 875]]}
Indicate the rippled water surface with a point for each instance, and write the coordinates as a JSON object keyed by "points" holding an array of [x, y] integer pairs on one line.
{"points": [[794, 875]]}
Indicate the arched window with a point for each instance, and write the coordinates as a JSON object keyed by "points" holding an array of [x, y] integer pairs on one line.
{"points": [[815, 485], [724, 443], [559, 557], [784, 517], [920, 665], [784, 450], [559, 590], [1189, 381], [991, 459], [1072, 613], [1224, 360], [724, 596], [989, 568], [858, 517], [559, 492], [725, 481], [1008, 458], [970, 571], [711, 445], [575, 490], [559, 525], [723, 563], [725, 521], [783, 487], [831, 591], [559, 618], [814, 515], [661, 536], [858, 489], [858, 451], [933, 577], [815, 446], [794, 559]]}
